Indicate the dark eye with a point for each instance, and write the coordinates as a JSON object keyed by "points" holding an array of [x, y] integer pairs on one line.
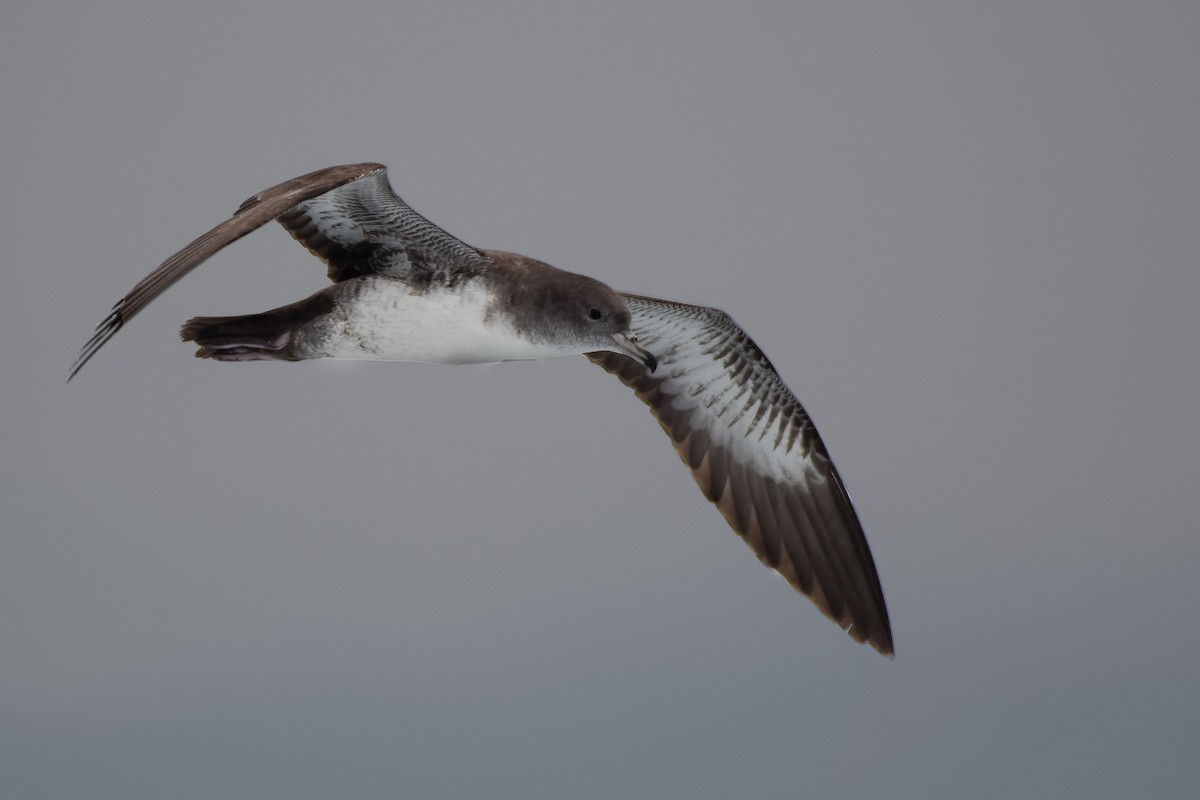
{"points": [[595, 313]]}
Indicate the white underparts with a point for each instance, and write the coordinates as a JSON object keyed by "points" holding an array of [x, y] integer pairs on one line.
{"points": [[382, 319]]}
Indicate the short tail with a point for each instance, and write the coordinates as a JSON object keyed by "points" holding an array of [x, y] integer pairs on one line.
{"points": [[256, 337]]}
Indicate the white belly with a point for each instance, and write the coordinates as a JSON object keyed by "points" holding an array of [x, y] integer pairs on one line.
{"points": [[381, 319]]}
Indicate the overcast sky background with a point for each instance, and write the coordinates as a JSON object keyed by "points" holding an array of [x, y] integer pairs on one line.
{"points": [[967, 234]]}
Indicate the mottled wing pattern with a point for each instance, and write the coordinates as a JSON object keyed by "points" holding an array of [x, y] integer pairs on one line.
{"points": [[755, 453], [363, 228], [253, 214]]}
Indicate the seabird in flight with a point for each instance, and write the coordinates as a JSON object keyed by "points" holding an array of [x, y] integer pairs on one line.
{"points": [[406, 290]]}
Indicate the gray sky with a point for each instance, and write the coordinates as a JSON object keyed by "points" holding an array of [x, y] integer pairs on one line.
{"points": [[966, 234]]}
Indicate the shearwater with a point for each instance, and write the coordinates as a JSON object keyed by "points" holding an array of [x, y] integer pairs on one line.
{"points": [[406, 290]]}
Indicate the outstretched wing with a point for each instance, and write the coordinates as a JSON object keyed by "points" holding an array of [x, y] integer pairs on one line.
{"points": [[348, 215], [755, 453]]}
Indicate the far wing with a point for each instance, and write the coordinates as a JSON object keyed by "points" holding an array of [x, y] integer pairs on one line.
{"points": [[253, 214], [755, 453]]}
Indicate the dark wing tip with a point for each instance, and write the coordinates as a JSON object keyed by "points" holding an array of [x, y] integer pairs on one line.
{"points": [[880, 640], [107, 329]]}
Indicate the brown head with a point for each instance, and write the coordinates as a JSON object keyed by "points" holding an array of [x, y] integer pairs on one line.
{"points": [[551, 305]]}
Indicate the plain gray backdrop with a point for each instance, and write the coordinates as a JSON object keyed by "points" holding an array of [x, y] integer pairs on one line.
{"points": [[967, 235]]}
